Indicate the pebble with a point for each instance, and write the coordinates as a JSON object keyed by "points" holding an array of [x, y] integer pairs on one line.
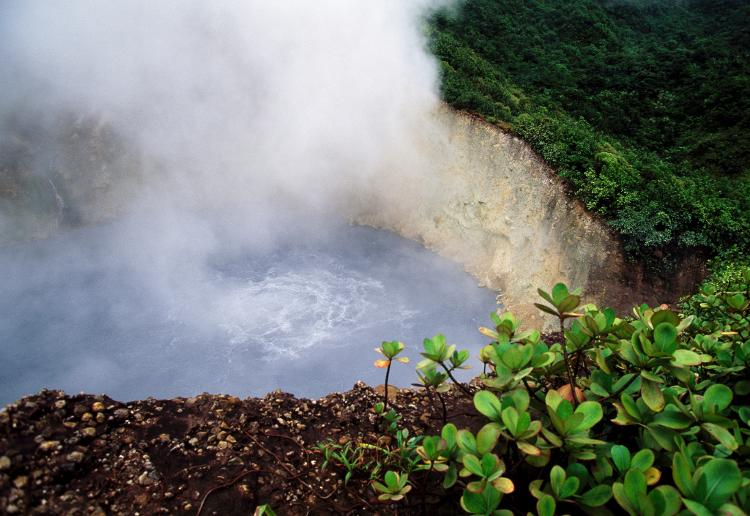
{"points": [[98, 406], [21, 482], [60, 404], [75, 456], [49, 445], [89, 431], [122, 413], [4, 462], [145, 479], [223, 445], [11, 509]]}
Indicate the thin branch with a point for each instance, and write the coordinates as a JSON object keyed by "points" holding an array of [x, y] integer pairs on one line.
{"points": [[460, 385], [225, 485]]}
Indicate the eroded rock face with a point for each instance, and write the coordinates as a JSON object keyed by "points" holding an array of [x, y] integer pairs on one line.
{"points": [[493, 205], [63, 173]]}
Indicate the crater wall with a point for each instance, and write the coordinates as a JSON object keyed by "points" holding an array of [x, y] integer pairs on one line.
{"points": [[492, 204]]}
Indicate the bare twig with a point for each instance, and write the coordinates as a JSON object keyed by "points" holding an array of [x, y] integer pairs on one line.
{"points": [[225, 485]]}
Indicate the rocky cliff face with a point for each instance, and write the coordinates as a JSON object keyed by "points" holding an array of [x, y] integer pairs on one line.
{"points": [[493, 205], [69, 172]]}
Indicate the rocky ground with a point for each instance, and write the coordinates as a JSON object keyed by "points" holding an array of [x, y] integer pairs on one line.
{"points": [[211, 454]]}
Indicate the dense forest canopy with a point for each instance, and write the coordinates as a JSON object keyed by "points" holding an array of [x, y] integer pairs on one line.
{"points": [[641, 105]]}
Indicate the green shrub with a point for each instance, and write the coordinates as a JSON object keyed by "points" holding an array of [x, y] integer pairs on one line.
{"points": [[648, 414], [639, 106]]}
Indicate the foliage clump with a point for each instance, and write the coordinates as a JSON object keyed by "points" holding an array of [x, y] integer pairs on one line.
{"points": [[646, 414], [640, 106]]}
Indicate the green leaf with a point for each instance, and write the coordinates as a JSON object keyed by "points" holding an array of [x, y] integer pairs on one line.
{"points": [[716, 398], [716, 481], [473, 464], [729, 509], [557, 477], [569, 487], [510, 419], [672, 417], [559, 293], [696, 508], [488, 404], [597, 496], [545, 309], [721, 434], [473, 503], [466, 441], [449, 433], [665, 437], [665, 316], [736, 301], [642, 460], [569, 303], [621, 457], [635, 486], [487, 438], [665, 337], [652, 395], [681, 474], [666, 500], [544, 295], [528, 448], [651, 376], [490, 466], [592, 414], [264, 510], [546, 506], [450, 477], [631, 408], [618, 490], [685, 357]]}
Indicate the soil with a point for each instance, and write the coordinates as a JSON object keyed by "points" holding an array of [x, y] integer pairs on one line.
{"points": [[211, 454], [214, 454]]}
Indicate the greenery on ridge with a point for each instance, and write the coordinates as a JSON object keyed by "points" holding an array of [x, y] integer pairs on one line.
{"points": [[640, 105], [648, 414]]}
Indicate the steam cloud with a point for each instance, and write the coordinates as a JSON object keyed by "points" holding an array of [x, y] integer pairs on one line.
{"points": [[268, 118], [296, 100], [253, 124]]}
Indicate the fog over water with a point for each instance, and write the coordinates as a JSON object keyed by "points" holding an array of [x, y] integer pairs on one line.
{"points": [[259, 128]]}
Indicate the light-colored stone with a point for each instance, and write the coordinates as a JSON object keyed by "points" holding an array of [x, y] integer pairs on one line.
{"points": [[4, 462], [49, 445], [75, 456]]}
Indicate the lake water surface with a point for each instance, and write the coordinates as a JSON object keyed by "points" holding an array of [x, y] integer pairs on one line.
{"points": [[301, 317]]}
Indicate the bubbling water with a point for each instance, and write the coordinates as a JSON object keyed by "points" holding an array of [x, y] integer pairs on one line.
{"points": [[303, 318]]}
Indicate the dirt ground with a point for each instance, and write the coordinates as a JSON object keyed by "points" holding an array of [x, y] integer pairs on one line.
{"points": [[211, 454]]}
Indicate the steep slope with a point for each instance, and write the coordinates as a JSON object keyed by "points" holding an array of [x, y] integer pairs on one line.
{"points": [[494, 205]]}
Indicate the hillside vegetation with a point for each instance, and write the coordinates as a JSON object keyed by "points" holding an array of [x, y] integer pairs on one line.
{"points": [[641, 106]]}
